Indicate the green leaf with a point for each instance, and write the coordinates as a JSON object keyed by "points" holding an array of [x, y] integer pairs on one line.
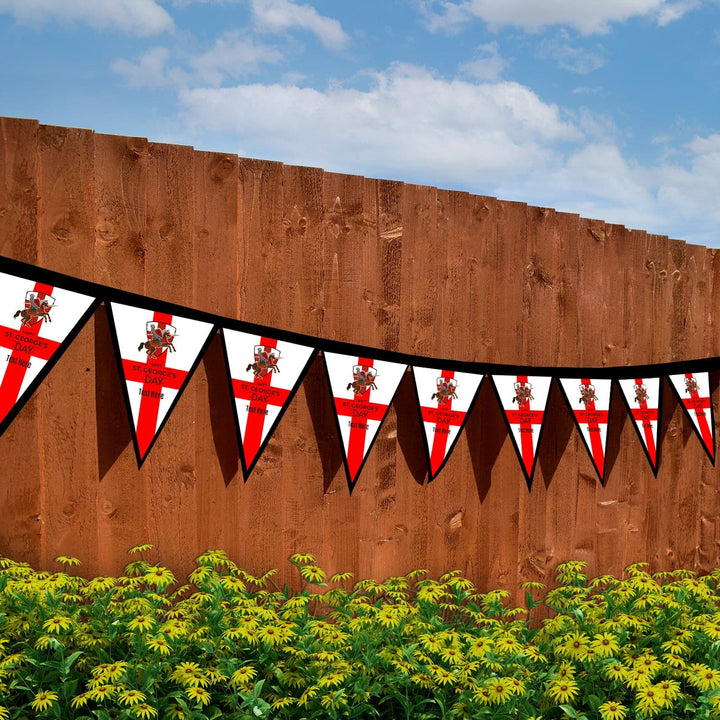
{"points": [[569, 711]]}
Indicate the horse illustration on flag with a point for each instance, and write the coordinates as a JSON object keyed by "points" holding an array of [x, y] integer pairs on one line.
{"points": [[266, 361], [587, 394], [160, 337], [523, 393], [445, 390], [363, 379], [37, 308]]}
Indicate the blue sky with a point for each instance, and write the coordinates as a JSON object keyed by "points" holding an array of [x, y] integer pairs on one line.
{"points": [[609, 109]]}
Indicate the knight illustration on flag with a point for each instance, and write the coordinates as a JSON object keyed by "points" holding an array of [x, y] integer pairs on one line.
{"points": [[37, 308], [693, 391], [446, 390], [266, 361], [160, 337], [363, 379]]}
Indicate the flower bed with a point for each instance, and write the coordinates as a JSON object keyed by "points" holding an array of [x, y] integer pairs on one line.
{"points": [[230, 645]]}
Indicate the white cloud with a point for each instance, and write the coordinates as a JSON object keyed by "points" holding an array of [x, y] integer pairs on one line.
{"points": [[571, 57], [281, 15], [531, 15], [410, 122], [141, 17], [487, 63], [233, 56]]}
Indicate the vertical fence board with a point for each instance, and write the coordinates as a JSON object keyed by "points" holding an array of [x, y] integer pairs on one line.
{"points": [[21, 500], [67, 218]]}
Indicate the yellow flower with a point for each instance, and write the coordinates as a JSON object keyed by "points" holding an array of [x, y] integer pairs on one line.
{"points": [[303, 559], [272, 634], [175, 712], [478, 647], [143, 623], [649, 701], [612, 710], [79, 700], [243, 675], [675, 647], [670, 690], [57, 623], [4, 713], [705, 678], [144, 711], [313, 574], [159, 577], [562, 691], [159, 644], [574, 646], [508, 644], [184, 672], [140, 549], [500, 691], [200, 695], [131, 697], [605, 644], [44, 700], [332, 679], [282, 702], [335, 701], [102, 691], [442, 676], [67, 560], [451, 655]]}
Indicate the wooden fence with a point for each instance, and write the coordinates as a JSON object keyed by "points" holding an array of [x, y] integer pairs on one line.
{"points": [[374, 262]]}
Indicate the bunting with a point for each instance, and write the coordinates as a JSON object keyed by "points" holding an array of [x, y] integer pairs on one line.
{"points": [[590, 403], [158, 346], [157, 353], [642, 397], [444, 398], [362, 390], [264, 375], [524, 399], [693, 391], [38, 320]]}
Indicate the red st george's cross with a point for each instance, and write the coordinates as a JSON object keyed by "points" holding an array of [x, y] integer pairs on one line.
{"points": [[258, 395], [698, 405], [154, 379], [645, 415], [24, 344], [359, 410], [525, 417], [593, 418], [441, 417]]}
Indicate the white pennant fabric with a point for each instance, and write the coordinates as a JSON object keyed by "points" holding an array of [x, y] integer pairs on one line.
{"points": [[590, 403], [362, 390], [265, 374], [524, 400], [693, 390], [642, 396], [37, 321], [158, 353], [445, 398]]}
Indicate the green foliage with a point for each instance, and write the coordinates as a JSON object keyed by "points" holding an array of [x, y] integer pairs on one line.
{"points": [[230, 645]]}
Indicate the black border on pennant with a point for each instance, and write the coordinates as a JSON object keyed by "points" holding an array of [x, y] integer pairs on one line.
{"points": [[62, 347], [694, 427], [449, 450], [351, 483], [518, 452], [572, 412], [247, 469], [634, 424], [118, 359]]}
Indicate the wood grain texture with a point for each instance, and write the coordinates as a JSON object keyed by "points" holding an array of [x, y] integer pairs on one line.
{"points": [[374, 262]]}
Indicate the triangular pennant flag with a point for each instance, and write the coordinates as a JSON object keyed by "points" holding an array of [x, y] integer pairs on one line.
{"points": [[524, 400], [444, 398], [362, 390], [693, 390], [642, 397], [590, 403], [37, 322], [158, 353], [264, 375]]}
